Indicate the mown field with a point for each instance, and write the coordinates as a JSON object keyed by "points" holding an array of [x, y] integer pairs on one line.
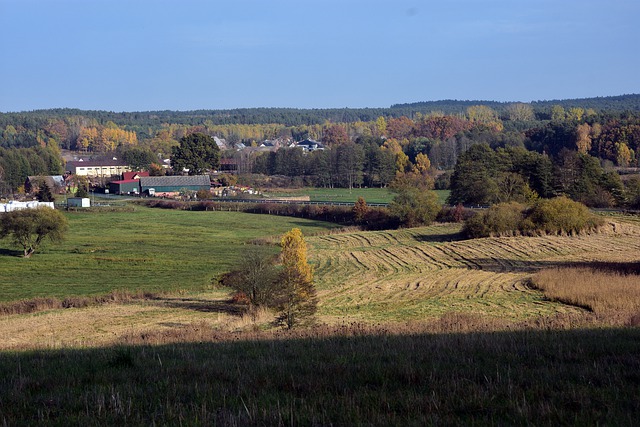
{"points": [[420, 273]]}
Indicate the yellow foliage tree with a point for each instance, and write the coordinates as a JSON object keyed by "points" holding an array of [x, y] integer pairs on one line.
{"points": [[583, 138], [482, 114], [297, 298], [423, 164], [381, 126], [575, 114], [624, 154]]}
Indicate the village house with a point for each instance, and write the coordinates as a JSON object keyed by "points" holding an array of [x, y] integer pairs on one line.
{"points": [[98, 168], [309, 145], [56, 183]]}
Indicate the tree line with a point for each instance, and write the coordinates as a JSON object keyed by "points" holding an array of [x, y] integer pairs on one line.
{"points": [[363, 150]]}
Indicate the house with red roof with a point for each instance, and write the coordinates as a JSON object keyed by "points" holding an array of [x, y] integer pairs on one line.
{"points": [[134, 175]]}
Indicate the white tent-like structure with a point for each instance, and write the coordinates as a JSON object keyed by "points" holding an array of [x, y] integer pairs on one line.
{"points": [[16, 206]]}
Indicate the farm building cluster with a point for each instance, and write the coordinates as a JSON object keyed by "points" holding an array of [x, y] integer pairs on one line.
{"points": [[115, 176]]}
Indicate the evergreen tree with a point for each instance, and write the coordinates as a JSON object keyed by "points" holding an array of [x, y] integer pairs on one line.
{"points": [[44, 193]]}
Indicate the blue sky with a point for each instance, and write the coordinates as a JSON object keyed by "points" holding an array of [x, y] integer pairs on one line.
{"points": [[139, 55]]}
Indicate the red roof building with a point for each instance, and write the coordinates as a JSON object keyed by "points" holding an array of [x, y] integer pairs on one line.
{"points": [[134, 175]]}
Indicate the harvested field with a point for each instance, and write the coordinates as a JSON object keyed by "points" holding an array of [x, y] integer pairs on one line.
{"points": [[426, 272]]}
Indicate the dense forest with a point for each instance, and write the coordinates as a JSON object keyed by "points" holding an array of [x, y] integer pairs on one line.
{"points": [[365, 146]]}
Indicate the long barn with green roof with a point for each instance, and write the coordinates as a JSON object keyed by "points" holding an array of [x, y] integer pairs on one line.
{"points": [[166, 185]]}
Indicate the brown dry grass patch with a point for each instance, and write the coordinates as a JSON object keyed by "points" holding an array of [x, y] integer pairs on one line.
{"points": [[34, 305], [600, 290]]}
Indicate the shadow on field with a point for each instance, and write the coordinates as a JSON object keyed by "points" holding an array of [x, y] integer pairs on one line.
{"points": [[445, 237], [202, 305], [347, 377], [10, 252], [503, 265]]}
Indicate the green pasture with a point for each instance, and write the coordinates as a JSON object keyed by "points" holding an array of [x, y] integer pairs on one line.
{"points": [[371, 195], [148, 249]]}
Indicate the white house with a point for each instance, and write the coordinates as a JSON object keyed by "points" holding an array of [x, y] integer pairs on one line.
{"points": [[98, 168]]}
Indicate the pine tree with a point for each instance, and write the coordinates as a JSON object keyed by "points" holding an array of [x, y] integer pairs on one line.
{"points": [[44, 193]]}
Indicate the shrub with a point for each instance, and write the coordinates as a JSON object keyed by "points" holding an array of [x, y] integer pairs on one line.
{"points": [[562, 216], [203, 194], [500, 219], [414, 207], [549, 216], [457, 213]]}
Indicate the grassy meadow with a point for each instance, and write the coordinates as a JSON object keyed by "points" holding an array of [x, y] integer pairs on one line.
{"points": [[151, 250]]}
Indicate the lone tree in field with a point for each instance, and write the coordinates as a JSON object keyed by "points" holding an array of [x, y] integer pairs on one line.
{"points": [[298, 301], [197, 153], [256, 277], [30, 227]]}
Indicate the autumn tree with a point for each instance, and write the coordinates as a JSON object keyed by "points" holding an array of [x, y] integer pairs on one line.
{"points": [[156, 169], [381, 126], [197, 153], [583, 138], [360, 210], [482, 114], [335, 135], [297, 299], [520, 111], [400, 127], [422, 164], [575, 114], [441, 127], [29, 228]]}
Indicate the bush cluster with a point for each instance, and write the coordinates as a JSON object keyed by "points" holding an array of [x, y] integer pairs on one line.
{"points": [[547, 216]]}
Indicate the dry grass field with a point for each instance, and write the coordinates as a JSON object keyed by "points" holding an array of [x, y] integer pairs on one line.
{"points": [[605, 293]]}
